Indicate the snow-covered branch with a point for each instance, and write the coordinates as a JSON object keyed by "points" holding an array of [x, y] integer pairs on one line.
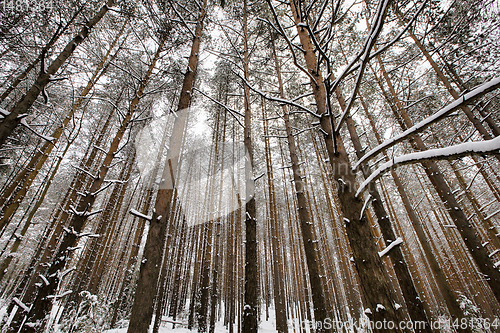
{"points": [[140, 215], [422, 125], [463, 149], [46, 138], [364, 57], [398, 241], [85, 172]]}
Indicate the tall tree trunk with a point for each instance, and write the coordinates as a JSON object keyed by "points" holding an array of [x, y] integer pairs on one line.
{"points": [[373, 277], [142, 309], [276, 244], [251, 298]]}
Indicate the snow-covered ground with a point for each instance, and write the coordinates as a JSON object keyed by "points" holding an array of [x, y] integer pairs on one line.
{"points": [[166, 327]]}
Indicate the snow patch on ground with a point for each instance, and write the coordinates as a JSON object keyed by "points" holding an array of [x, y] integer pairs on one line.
{"points": [[265, 326]]}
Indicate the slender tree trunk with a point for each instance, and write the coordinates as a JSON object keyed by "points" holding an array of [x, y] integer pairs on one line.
{"points": [[251, 298], [142, 309]]}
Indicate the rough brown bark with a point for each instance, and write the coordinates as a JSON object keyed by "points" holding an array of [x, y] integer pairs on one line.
{"points": [[413, 302], [373, 277]]}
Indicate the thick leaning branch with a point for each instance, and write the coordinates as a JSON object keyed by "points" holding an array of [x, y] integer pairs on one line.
{"points": [[419, 127], [453, 152]]}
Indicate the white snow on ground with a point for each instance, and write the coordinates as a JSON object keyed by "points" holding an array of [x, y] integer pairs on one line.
{"points": [[166, 327]]}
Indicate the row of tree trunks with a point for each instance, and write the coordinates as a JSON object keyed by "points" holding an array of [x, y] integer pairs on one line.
{"points": [[305, 220], [85, 276], [53, 234], [142, 309], [42, 304], [10, 122], [275, 235], [26, 177], [471, 239]]}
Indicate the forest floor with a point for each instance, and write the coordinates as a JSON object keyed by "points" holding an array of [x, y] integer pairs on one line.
{"points": [[265, 326]]}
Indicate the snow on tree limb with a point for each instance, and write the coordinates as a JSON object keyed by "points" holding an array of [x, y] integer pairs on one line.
{"points": [[398, 241], [21, 304], [364, 57], [276, 99], [422, 125], [463, 149], [140, 215], [367, 202], [46, 138], [55, 297]]}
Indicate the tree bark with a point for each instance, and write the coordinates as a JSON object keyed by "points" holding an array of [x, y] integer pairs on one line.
{"points": [[251, 298]]}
